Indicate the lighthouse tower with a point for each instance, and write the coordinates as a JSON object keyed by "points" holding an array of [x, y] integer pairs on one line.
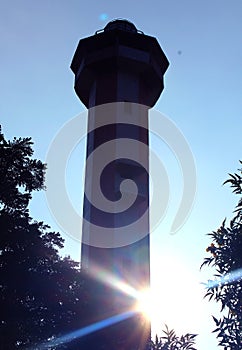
{"points": [[118, 77]]}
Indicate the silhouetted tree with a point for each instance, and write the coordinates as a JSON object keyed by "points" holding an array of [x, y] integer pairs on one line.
{"points": [[40, 292], [226, 251], [170, 341]]}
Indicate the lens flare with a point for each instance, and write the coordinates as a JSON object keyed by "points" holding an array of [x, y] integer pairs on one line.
{"points": [[116, 283], [226, 279], [67, 338], [113, 281], [145, 304], [103, 17]]}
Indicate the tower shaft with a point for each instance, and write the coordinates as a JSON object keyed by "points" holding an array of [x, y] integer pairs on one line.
{"points": [[118, 76], [117, 150]]}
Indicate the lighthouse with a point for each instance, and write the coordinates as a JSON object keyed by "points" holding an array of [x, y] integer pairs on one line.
{"points": [[118, 77]]}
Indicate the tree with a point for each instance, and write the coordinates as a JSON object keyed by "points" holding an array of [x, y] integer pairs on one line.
{"points": [[226, 288], [170, 341], [20, 175], [40, 291]]}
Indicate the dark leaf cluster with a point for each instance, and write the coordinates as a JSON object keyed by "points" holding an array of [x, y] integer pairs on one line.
{"points": [[226, 288], [170, 341], [235, 182], [19, 174], [40, 292]]}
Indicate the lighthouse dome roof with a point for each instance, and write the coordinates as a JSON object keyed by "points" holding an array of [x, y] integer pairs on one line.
{"points": [[121, 24]]}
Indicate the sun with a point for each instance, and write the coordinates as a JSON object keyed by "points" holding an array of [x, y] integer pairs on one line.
{"points": [[174, 298], [144, 303]]}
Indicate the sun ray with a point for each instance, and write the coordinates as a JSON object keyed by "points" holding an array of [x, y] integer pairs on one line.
{"points": [[67, 338], [229, 278]]}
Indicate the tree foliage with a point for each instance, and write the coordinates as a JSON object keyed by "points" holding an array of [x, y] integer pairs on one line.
{"points": [[226, 288], [40, 291], [19, 173], [170, 341]]}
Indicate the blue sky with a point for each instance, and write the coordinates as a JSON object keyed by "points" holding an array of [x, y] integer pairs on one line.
{"points": [[202, 95]]}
